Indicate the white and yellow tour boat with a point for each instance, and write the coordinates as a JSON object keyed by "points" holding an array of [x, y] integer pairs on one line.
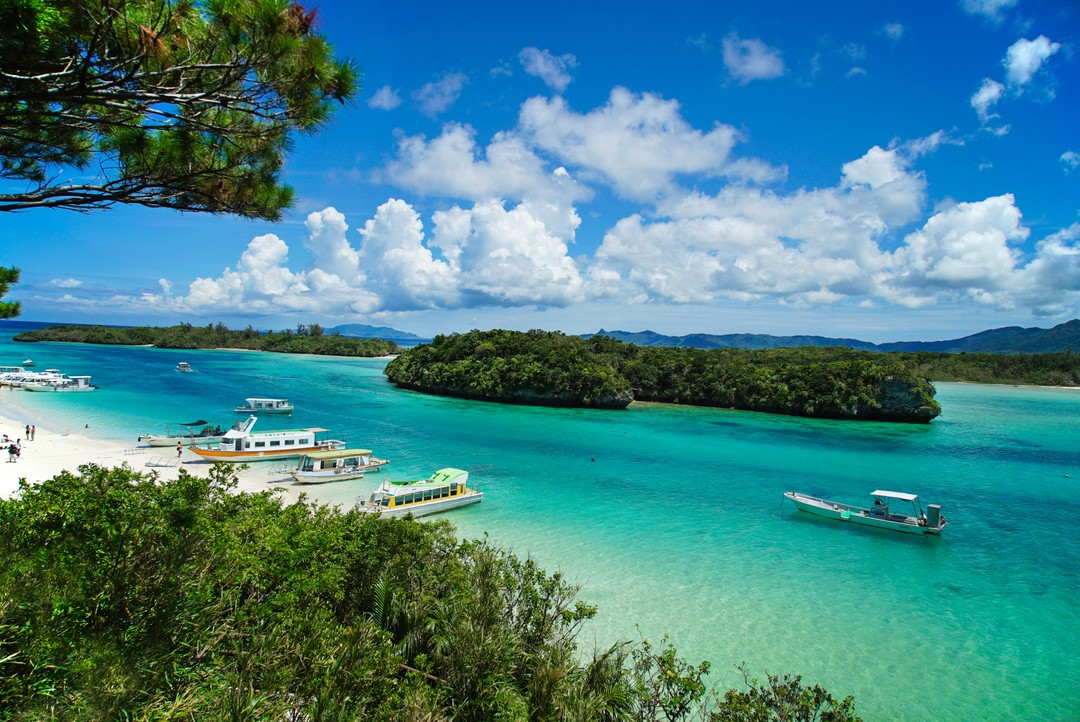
{"points": [[240, 443], [445, 489], [335, 465]]}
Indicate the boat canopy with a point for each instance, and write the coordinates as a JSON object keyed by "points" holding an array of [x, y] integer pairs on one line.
{"points": [[337, 454], [896, 495], [200, 422], [268, 401]]}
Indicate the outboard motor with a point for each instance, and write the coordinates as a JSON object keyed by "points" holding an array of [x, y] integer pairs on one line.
{"points": [[933, 516]]}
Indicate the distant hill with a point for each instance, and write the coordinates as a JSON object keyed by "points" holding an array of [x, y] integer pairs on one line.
{"points": [[362, 330], [1011, 339]]}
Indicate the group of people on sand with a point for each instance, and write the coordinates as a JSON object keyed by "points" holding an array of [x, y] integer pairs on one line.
{"points": [[14, 446]]}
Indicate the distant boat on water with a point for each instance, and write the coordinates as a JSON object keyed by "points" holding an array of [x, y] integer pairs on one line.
{"points": [[931, 521], [265, 406], [184, 367], [29, 362]]}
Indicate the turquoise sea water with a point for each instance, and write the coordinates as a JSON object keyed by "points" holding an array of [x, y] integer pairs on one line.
{"points": [[672, 518]]}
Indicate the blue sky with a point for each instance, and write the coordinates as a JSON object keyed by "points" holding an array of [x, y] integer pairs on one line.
{"points": [[880, 170]]}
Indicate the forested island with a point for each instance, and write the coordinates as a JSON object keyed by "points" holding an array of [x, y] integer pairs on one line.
{"points": [[126, 597], [306, 339], [553, 369]]}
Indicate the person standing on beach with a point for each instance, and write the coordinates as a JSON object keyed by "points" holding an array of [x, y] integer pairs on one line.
{"points": [[12, 451], [28, 432], [33, 431], [179, 449]]}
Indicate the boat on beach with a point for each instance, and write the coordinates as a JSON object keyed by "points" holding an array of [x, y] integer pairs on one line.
{"points": [[265, 406], [240, 443], [186, 434], [880, 515], [444, 490], [335, 465], [184, 367]]}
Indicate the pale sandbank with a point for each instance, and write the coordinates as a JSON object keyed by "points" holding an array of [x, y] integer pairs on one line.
{"points": [[52, 452]]}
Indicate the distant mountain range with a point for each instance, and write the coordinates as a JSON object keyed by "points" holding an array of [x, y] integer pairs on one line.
{"points": [[1011, 339], [361, 330]]}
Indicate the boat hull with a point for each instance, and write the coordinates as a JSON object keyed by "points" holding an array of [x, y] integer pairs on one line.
{"points": [[423, 508], [856, 515], [183, 440], [260, 412], [215, 455]]}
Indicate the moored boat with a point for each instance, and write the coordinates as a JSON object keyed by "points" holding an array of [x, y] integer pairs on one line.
{"points": [[29, 362], [265, 406], [335, 465], [66, 384], [445, 489], [240, 443], [186, 434], [931, 521]]}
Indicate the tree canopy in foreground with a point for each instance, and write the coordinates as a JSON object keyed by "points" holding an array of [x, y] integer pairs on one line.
{"points": [[8, 276], [122, 597], [183, 104]]}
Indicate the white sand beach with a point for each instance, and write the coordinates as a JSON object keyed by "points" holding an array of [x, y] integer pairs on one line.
{"points": [[52, 452]]}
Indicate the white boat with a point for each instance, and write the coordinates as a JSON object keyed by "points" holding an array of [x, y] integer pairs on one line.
{"points": [[21, 377], [240, 443], [265, 406], [186, 434], [931, 521], [29, 362], [184, 367], [445, 489], [336, 465], [65, 384]]}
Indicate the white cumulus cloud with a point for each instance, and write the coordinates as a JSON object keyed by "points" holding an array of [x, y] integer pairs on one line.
{"points": [[552, 69], [992, 10], [751, 59], [985, 98], [636, 143], [436, 96], [385, 98], [1070, 160], [66, 282], [1024, 58]]}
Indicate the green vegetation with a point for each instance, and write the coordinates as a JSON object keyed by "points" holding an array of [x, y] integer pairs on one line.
{"points": [[306, 339], [122, 597], [1042, 369], [8, 276], [183, 104], [541, 367]]}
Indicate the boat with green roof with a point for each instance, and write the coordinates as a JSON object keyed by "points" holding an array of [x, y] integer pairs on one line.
{"points": [[444, 490]]}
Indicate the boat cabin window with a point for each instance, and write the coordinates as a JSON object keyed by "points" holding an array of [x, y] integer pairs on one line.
{"points": [[304, 441], [275, 443], [351, 462], [453, 490], [239, 444], [399, 500], [259, 443], [386, 501], [427, 495], [289, 442]]}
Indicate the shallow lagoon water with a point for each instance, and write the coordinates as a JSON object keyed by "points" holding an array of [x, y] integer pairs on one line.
{"points": [[672, 519]]}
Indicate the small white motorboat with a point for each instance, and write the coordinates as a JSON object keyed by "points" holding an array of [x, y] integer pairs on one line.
{"points": [[445, 489], [29, 362], [186, 434], [335, 465], [265, 406], [931, 521], [184, 367]]}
